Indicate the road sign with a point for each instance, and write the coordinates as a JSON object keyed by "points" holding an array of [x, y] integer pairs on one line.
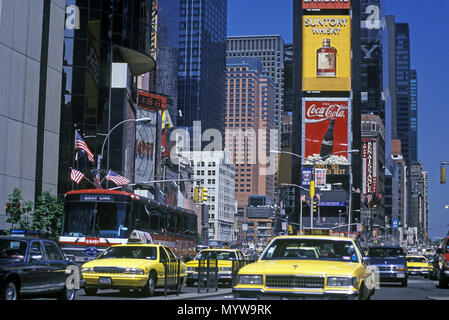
{"points": [[395, 223]]}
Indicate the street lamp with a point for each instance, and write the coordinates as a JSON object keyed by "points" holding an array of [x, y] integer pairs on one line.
{"points": [[300, 211], [100, 156], [314, 161]]}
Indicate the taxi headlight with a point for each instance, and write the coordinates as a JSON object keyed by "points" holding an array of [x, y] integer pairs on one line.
{"points": [[87, 270], [190, 269], [250, 279], [341, 282], [226, 269], [134, 271]]}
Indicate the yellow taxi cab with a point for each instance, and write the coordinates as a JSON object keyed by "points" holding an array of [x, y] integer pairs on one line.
{"points": [[134, 266], [308, 266], [226, 260], [418, 265]]}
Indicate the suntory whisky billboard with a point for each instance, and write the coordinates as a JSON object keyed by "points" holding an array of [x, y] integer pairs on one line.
{"points": [[326, 53], [326, 130], [326, 4]]}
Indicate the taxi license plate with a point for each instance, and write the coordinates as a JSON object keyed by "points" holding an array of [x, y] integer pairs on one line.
{"points": [[104, 280]]}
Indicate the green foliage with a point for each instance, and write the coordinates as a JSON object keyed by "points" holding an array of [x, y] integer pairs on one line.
{"points": [[18, 211], [47, 216]]}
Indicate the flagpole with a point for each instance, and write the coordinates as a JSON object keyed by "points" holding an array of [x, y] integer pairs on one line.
{"points": [[73, 157]]}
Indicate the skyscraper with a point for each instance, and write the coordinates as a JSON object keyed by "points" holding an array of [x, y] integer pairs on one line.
{"points": [[402, 54], [202, 63], [109, 32], [31, 37], [249, 119], [269, 49], [413, 116]]}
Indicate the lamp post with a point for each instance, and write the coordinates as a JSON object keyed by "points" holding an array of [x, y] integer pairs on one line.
{"points": [[300, 211], [314, 161], [100, 156]]}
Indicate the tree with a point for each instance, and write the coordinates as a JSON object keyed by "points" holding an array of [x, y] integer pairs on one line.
{"points": [[18, 211], [48, 214]]}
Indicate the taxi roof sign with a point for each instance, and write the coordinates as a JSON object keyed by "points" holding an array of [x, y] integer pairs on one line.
{"points": [[317, 232], [141, 237]]}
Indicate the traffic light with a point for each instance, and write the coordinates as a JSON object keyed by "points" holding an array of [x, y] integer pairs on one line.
{"points": [[203, 194], [443, 174], [196, 194], [315, 206]]}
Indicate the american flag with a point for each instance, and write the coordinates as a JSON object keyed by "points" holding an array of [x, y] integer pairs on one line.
{"points": [[81, 145], [97, 182], [77, 176], [117, 179]]}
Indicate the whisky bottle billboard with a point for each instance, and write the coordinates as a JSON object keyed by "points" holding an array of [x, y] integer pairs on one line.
{"points": [[326, 60]]}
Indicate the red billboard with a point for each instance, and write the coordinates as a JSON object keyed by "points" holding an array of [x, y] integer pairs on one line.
{"points": [[151, 101], [326, 130], [326, 4], [369, 166]]}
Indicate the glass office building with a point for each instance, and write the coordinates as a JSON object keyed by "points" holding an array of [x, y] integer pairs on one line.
{"points": [[108, 31], [202, 63]]}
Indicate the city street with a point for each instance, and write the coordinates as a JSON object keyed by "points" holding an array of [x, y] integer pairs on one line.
{"points": [[418, 289]]}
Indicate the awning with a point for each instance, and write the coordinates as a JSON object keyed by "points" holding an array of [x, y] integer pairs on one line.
{"points": [[138, 63]]}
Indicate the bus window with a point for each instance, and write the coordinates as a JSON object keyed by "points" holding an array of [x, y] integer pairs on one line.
{"points": [[154, 220], [143, 218], [172, 222]]}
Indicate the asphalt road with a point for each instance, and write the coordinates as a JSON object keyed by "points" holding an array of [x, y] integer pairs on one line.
{"points": [[418, 289]]}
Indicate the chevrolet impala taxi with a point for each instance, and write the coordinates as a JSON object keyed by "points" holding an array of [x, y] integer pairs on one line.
{"points": [[227, 260], [134, 266], [418, 265], [315, 267]]}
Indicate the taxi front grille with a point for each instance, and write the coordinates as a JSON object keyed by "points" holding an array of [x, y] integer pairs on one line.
{"points": [[109, 270], [295, 282], [387, 268], [416, 268]]}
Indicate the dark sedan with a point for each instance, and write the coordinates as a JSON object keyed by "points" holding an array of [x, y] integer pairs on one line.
{"points": [[33, 267], [391, 264]]}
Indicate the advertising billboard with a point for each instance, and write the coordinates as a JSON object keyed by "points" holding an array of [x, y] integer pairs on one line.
{"points": [[326, 130], [146, 142], [369, 166], [326, 48], [151, 101], [326, 4]]}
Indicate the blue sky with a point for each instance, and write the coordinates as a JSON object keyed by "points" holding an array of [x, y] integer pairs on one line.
{"points": [[429, 56]]}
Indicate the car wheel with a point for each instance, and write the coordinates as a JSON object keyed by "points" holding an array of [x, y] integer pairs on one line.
{"points": [[67, 294], [442, 282], [150, 287], [404, 283], [90, 291], [9, 291]]}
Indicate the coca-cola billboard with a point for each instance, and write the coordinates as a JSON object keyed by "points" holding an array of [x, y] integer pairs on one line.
{"points": [[326, 4], [369, 166], [326, 130]]}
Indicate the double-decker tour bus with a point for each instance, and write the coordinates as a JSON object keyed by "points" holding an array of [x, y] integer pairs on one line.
{"points": [[96, 219]]}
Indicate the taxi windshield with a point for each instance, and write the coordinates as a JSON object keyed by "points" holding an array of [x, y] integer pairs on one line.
{"points": [[130, 252], [216, 255], [386, 252], [416, 259], [12, 249], [311, 249]]}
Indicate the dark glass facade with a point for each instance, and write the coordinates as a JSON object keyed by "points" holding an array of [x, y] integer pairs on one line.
{"points": [[403, 88], [202, 63], [89, 51], [413, 116]]}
